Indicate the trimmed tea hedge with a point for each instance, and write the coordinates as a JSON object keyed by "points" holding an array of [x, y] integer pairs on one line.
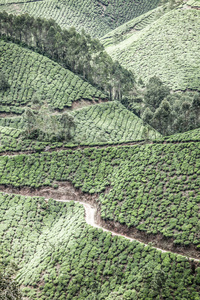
{"points": [[32, 75], [109, 122], [154, 188], [61, 257], [96, 17], [165, 50]]}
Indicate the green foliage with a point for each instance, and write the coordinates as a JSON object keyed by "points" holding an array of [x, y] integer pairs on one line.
{"points": [[192, 135], [77, 52], [109, 122], [155, 92], [104, 123], [61, 257], [44, 126], [8, 286], [113, 40], [154, 188], [96, 17], [170, 113], [32, 75], [4, 84], [164, 49]]}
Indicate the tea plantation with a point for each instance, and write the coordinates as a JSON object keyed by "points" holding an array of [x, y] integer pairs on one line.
{"points": [[188, 136], [96, 17], [130, 30], [109, 122], [166, 50], [154, 188], [34, 77], [67, 127], [61, 257], [104, 123]]}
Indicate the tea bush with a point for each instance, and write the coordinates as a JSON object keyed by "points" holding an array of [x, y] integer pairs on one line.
{"points": [[96, 17], [154, 188], [33, 75], [61, 257]]}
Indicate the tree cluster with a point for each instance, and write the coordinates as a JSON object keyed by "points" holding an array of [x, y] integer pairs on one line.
{"points": [[167, 112], [44, 126], [75, 51]]}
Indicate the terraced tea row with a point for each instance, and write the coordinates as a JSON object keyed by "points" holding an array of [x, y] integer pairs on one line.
{"points": [[34, 78], [188, 136], [130, 30], [165, 50], [96, 17], [61, 257], [153, 188], [110, 122]]}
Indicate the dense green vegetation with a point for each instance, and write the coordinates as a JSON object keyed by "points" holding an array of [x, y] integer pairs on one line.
{"points": [[59, 132], [77, 52], [154, 188], [166, 50], [130, 30], [9, 288], [167, 112], [61, 257], [96, 17], [110, 122], [192, 135], [34, 78], [107, 122]]}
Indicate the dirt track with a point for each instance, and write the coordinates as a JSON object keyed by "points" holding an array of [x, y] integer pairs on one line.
{"points": [[90, 219], [93, 217]]}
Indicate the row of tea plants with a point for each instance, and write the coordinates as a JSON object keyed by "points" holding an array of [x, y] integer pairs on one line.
{"points": [[34, 79], [61, 257], [154, 188]]}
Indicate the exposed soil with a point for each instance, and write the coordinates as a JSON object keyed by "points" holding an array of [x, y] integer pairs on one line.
{"points": [[186, 6], [82, 103], [66, 192]]}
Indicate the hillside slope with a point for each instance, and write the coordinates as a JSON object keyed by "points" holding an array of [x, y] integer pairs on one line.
{"points": [[61, 257], [150, 189], [110, 122], [167, 48], [101, 123], [96, 17], [33, 77]]}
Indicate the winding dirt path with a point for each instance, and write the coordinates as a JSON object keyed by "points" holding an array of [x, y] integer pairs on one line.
{"points": [[90, 213]]}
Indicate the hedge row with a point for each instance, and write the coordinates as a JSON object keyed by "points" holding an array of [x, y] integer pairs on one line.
{"points": [[154, 188], [61, 257]]}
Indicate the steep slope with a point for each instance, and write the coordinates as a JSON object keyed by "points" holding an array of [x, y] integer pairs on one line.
{"points": [[167, 48], [96, 17], [130, 31], [61, 257], [101, 123], [188, 136], [150, 189], [110, 122], [34, 77]]}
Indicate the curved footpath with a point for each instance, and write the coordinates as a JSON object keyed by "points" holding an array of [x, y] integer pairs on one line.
{"points": [[90, 219]]}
